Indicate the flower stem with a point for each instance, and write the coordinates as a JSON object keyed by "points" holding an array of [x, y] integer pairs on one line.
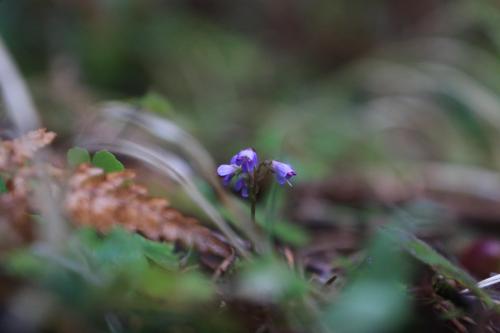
{"points": [[253, 196], [271, 215], [252, 208]]}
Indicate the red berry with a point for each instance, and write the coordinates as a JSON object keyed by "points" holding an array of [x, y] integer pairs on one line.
{"points": [[482, 257]]}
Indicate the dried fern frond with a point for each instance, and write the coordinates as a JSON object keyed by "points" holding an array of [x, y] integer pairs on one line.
{"points": [[104, 200], [14, 211], [14, 206], [15, 153], [98, 199]]}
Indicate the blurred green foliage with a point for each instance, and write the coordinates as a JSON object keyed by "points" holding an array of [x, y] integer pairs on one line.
{"points": [[107, 161], [123, 273], [102, 159], [77, 155], [3, 186], [270, 280], [325, 85], [376, 299], [427, 255]]}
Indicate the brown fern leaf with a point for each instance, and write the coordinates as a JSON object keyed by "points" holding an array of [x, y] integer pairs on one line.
{"points": [[15, 222], [104, 200], [15, 153]]}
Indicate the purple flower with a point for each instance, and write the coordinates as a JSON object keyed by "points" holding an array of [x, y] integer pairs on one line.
{"points": [[241, 165], [241, 185], [227, 171], [282, 171], [247, 159]]}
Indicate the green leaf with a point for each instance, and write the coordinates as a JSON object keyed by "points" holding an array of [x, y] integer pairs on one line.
{"points": [[117, 252], [161, 254], [367, 306], [289, 233], [124, 250], [107, 161], [284, 231], [156, 103], [270, 279], [3, 186], [426, 254], [176, 287], [375, 300], [23, 262], [76, 156]]}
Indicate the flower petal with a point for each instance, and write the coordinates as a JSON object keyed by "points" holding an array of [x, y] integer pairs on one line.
{"points": [[247, 153], [227, 179], [240, 183], [241, 186], [244, 192], [247, 159], [226, 169], [282, 171], [281, 180], [234, 159]]}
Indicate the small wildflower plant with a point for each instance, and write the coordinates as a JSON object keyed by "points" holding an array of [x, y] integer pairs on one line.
{"points": [[244, 172]]}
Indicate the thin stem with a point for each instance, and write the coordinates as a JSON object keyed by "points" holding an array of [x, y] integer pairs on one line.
{"points": [[252, 208], [271, 215], [253, 196]]}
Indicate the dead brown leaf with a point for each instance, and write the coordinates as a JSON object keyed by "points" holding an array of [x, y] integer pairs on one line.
{"points": [[15, 153], [14, 208], [104, 200]]}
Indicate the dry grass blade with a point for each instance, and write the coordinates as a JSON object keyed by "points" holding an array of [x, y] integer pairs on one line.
{"points": [[161, 162], [18, 102], [21, 111], [168, 132], [495, 279], [486, 283], [481, 100]]}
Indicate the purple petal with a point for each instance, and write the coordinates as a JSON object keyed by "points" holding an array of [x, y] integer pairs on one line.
{"points": [[281, 180], [241, 186], [227, 179], [244, 192], [226, 169], [240, 183], [247, 159], [254, 162], [247, 153], [283, 171]]}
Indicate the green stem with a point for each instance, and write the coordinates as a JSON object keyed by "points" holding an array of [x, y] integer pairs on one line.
{"points": [[271, 214], [252, 208], [253, 196]]}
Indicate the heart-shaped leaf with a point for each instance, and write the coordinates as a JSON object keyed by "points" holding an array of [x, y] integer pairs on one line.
{"points": [[76, 156], [108, 162]]}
